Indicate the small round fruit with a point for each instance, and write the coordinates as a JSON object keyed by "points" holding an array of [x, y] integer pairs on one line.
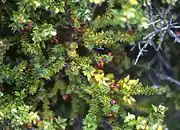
{"points": [[65, 97], [55, 40], [104, 60], [109, 53], [112, 85], [113, 101], [177, 33], [100, 65]]}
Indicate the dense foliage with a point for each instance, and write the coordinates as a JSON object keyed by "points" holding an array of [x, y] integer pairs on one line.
{"points": [[89, 64]]}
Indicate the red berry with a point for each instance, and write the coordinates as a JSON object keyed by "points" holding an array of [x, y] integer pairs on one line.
{"points": [[109, 53], [177, 33], [100, 65], [55, 40], [113, 101], [103, 60], [112, 85], [65, 97]]}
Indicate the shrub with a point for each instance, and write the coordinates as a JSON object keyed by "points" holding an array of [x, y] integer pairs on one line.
{"points": [[69, 64]]}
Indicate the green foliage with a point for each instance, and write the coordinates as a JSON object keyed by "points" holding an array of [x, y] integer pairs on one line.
{"points": [[81, 10], [43, 33], [14, 109], [63, 60], [108, 39], [130, 14], [153, 121]]}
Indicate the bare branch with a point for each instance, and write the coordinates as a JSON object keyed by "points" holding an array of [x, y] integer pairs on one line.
{"points": [[158, 31]]}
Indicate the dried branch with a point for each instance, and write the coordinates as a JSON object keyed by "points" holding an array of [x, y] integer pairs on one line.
{"points": [[160, 29], [163, 76]]}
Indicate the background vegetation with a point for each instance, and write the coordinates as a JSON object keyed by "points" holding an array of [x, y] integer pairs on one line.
{"points": [[89, 64]]}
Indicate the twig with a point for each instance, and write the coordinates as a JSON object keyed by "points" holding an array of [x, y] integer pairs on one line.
{"points": [[165, 28], [141, 52], [168, 78]]}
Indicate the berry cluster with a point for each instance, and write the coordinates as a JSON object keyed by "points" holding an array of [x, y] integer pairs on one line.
{"points": [[100, 64]]}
